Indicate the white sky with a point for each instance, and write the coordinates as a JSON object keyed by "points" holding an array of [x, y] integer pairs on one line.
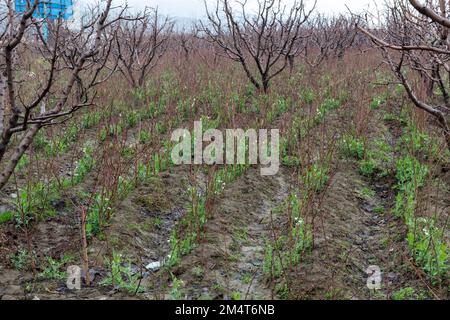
{"points": [[195, 8]]}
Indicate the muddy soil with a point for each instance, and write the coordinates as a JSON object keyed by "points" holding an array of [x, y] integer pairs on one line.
{"points": [[354, 229], [232, 252], [354, 232], [140, 229]]}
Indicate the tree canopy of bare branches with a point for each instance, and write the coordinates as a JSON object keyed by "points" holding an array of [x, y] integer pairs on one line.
{"points": [[415, 44], [329, 37], [264, 43], [140, 43], [43, 82]]}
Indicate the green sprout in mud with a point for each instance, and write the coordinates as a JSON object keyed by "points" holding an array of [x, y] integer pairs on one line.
{"points": [[150, 111], [103, 134], [72, 134], [375, 160], [300, 233], [378, 101], [272, 266], [278, 108], [390, 117], [176, 292], [379, 210], [236, 296], [52, 148], [194, 222], [175, 255], [6, 216], [122, 275], [291, 161], [316, 177], [327, 106], [54, 268], [144, 137], [408, 293], [128, 152], [287, 250], [132, 119], [367, 167], [160, 163], [425, 239], [21, 259], [282, 290], [139, 94], [34, 202], [160, 128], [84, 165], [183, 108], [239, 101], [302, 238], [157, 222], [352, 147], [247, 278], [241, 234], [100, 210], [308, 96], [23, 162], [415, 139], [410, 171], [111, 130], [367, 192], [91, 119], [40, 141]]}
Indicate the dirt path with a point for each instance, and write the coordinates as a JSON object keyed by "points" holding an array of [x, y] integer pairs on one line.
{"points": [[354, 232], [249, 279], [228, 263]]}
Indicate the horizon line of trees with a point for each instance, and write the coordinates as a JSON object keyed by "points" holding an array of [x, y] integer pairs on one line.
{"points": [[412, 38]]}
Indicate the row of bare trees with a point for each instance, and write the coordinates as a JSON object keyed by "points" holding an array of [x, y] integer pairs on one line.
{"points": [[45, 81]]}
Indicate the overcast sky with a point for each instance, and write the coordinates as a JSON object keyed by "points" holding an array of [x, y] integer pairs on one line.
{"points": [[195, 8]]}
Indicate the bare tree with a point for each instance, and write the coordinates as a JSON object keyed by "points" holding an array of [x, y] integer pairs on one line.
{"points": [[330, 37], [186, 42], [415, 44], [42, 82], [264, 43], [140, 44]]}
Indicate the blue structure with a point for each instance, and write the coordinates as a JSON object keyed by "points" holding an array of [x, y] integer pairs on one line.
{"points": [[48, 10]]}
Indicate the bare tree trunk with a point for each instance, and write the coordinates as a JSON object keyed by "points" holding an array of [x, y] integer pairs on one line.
{"points": [[2, 101], [17, 154]]}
